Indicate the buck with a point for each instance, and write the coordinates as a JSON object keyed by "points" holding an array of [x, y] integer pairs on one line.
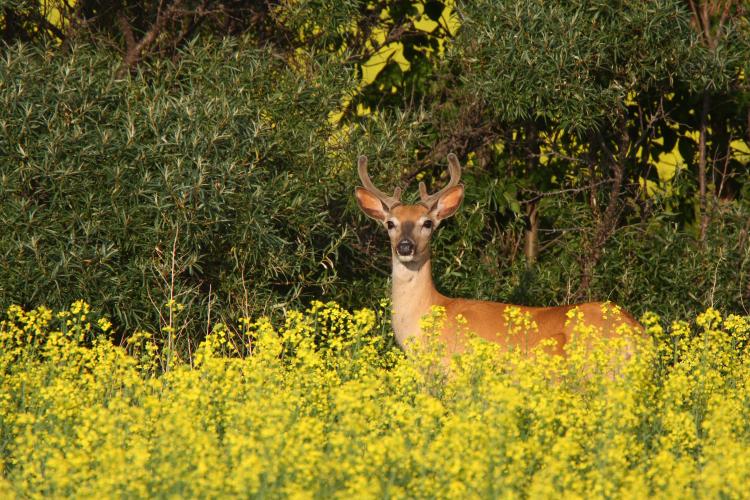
{"points": [[410, 228]]}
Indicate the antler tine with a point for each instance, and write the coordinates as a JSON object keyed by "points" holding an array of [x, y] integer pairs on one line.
{"points": [[454, 167], [390, 201]]}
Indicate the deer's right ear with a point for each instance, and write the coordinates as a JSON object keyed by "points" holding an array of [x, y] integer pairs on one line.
{"points": [[371, 204], [449, 202]]}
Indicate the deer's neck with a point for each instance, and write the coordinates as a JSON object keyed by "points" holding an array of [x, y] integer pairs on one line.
{"points": [[412, 296]]}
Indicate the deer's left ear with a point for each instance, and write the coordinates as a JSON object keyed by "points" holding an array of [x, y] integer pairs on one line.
{"points": [[449, 202]]}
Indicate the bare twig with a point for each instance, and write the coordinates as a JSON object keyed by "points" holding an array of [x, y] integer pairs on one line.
{"points": [[544, 194], [724, 173], [606, 225], [134, 51], [702, 167], [127, 31]]}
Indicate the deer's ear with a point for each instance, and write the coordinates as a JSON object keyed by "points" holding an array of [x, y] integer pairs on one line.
{"points": [[449, 202], [370, 204]]}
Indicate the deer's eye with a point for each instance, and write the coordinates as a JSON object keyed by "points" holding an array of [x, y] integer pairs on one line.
{"points": [[390, 224], [427, 224]]}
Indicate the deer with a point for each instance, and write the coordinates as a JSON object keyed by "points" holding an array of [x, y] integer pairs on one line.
{"points": [[413, 294]]}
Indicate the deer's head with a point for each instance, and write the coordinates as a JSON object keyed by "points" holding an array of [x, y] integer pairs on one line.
{"points": [[410, 226]]}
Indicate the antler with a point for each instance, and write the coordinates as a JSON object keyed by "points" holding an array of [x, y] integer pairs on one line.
{"points": [[388, 201], [454, 168]]}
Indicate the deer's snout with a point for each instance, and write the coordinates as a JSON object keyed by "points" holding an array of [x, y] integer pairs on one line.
{"points": [[405, 247]]}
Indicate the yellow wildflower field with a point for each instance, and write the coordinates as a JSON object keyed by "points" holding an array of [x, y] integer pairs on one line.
{"points": [[323, 406]]}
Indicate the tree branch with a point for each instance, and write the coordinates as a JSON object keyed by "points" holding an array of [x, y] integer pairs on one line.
{"points": [[606, 225], [135, 51]]}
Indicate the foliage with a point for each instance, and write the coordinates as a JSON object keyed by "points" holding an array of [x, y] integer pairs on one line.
{"points": [[323, 405], [647, 265], [577, 61], [608, 100], [218, 179], [391, 43], [168, 184], [217, 171]]}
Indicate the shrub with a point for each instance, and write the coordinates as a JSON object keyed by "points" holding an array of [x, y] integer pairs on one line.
{"points": [[207, 180], [219, 182]]}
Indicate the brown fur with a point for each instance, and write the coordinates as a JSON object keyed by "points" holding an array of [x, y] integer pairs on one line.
{"points": [[487, 320], [413, 292]]}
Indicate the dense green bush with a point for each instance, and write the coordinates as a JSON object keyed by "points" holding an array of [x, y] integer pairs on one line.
{"points": [[208, 179], [217, 181], [220, 182]]}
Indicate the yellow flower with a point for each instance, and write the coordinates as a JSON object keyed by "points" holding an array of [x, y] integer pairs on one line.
{"points": [[321, 406]]}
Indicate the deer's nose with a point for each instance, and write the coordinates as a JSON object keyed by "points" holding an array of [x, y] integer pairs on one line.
{"points": [[405, 247]]}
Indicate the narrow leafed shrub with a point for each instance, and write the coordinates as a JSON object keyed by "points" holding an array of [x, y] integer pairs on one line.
{"points": [[219, 182], [207, 180], [322, 405]]}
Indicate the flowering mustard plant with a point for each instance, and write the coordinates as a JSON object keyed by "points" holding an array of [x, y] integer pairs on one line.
{"points": [[324, 405]]}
